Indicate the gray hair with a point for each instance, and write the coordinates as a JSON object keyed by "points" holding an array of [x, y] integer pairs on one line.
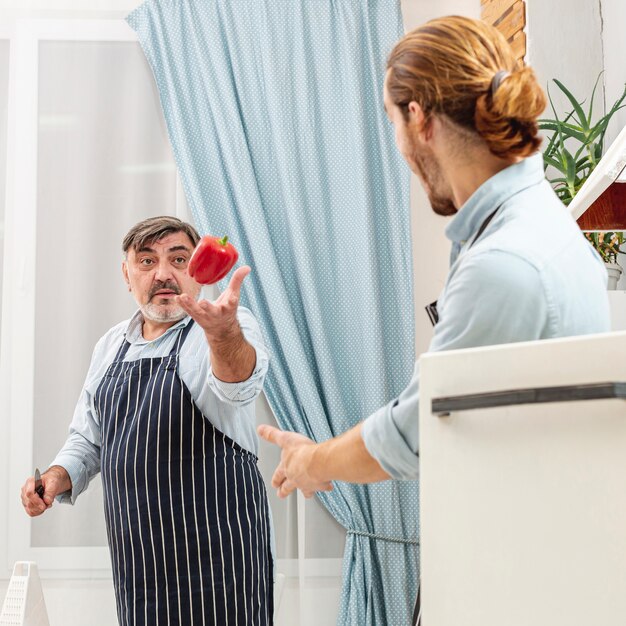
{"points": [[154, 229]]}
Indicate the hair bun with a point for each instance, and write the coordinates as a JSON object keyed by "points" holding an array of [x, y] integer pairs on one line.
{"points": [[507, 119]]}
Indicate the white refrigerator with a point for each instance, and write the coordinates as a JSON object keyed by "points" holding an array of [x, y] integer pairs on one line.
{"points": [[523, 484]]}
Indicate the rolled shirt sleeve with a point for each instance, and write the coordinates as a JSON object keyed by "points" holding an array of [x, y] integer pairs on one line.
{"points": [[391, 435], [494, 297], [246, 391], [81, 459]]}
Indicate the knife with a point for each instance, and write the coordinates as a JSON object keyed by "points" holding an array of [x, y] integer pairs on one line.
{"points": [[38, 484]]}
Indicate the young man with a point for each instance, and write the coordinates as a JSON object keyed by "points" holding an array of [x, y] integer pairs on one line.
{"points": [[465, 119], [167, 416]]}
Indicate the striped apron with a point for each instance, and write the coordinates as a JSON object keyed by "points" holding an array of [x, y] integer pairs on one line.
{"points": [[185, 506], [417, 613]]}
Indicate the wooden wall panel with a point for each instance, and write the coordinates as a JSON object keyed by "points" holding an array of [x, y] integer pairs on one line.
{"points": [[509, 17], [607, 212]]}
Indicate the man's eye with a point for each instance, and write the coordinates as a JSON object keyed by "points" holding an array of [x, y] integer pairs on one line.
{"points": [[146, 262], [180, 260]]}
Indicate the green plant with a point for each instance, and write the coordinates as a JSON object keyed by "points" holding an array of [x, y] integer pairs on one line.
{"points": [[607, 244], [573, 151], [576, 144]]}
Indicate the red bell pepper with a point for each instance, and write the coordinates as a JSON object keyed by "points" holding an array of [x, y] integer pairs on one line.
{"points": [[212, 259]]}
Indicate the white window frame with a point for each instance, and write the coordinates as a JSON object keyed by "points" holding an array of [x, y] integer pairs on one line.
{"points": [[20, 274], [17, 362], [6, 34]]}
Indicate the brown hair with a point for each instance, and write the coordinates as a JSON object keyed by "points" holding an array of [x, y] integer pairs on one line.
{"points": [[154, 229], [447, 66]]}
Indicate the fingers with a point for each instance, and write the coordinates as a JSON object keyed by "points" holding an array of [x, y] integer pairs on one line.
{"points": [[279, 476], [48, 498], [309, 493], [286, 488], [291, 473], [194, 308], [223, 310], [237, 278], [271, 434], [32, 503]]}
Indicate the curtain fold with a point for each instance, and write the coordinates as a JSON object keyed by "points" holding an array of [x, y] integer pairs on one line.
{"points": [[275, 115]]}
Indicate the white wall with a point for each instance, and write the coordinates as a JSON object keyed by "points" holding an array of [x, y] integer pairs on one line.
{"points": [[564, 42], [575, 40], [614, 24]]}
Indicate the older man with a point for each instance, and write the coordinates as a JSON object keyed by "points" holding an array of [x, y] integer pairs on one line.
{"points": [[167, 416]]}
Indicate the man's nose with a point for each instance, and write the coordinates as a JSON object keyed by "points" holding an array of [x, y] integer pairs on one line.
{"points": [[163, 272]]}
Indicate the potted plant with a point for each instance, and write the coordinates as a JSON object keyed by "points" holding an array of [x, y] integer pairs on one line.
{"points": [[574, 149], [608, 246]]}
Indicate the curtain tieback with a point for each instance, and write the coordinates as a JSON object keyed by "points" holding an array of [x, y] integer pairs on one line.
{"points": [[361, 533]]}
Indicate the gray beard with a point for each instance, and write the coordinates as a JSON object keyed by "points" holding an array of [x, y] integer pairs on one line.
{"points": [[155, 313]]}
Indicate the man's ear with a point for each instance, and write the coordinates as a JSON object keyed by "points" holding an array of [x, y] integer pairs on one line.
{"points": [[125, 274], [419, 121]]}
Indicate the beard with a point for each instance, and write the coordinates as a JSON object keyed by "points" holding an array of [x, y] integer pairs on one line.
{"points": [[426, 166], [163, 313]]}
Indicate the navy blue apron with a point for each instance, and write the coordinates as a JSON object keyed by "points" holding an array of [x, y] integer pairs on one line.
{"points": [[185, 506]]}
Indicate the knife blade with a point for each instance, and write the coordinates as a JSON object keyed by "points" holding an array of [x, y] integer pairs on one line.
{"points": [[39, 490]]}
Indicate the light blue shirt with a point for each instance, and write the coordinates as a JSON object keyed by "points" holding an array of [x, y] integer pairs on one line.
{"points": [[229, 406], [531, 275]]}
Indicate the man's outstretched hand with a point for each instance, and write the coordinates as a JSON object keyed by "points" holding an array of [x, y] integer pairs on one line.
{"points": [[296, 467], [219, 318]]}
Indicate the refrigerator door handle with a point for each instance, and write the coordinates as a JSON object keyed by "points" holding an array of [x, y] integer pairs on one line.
{"points": [[442, 407]]}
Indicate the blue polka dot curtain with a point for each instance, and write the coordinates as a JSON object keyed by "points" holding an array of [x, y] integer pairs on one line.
{"points": [[275, 114]]}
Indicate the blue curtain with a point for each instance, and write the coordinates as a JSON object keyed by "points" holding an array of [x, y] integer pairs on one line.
{"points": [[275, 114]]}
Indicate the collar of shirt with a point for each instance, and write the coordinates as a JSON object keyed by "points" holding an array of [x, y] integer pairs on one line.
{"points": [[491, 195], [134, 332]]}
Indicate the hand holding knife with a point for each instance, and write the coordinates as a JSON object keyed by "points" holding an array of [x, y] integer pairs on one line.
{"points": [[39, 490]]}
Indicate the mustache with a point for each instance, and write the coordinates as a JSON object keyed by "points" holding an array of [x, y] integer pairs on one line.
{"points": [[169, 285]]}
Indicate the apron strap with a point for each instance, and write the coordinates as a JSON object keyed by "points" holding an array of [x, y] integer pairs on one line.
{"points": [[122, 350], [182, 335], [431, 309]]}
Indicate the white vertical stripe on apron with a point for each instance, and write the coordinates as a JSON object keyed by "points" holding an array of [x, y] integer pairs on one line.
{"points": [[206, 515], [245, 600], [219, 528], [258, 543], [182, 500], [149, 507], [169, 477], [158, 447], [128, 432], [119, 502]]}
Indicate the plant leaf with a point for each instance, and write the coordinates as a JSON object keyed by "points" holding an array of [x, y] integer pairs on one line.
{"points": [[557, 165], [582, 119], [593, 95]]}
